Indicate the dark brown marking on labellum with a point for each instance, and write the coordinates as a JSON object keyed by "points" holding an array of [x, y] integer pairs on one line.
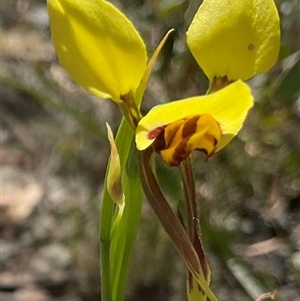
{"points": [[180, 153], [190, 127]]}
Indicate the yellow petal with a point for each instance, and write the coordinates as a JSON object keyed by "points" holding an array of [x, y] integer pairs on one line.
{"points": [[98, 46], [235, 38], [228, 106]]}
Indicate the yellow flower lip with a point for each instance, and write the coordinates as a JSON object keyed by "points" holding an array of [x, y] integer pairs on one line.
{"points": [[181, 137], [237, 39], [98, 46], [228, 107]]}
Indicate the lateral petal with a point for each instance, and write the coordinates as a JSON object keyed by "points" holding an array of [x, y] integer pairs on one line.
{"points": [[98, 46]]}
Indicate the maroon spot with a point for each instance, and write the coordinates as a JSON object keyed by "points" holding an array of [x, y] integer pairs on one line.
{"points": [[154, 133], [251, 47]]}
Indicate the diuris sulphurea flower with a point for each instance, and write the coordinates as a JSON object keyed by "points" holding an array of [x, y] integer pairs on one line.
{"points": [[222, 112], [231, 41]]}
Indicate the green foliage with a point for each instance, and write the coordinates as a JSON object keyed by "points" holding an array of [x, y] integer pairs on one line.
{"points": [[117, 237]]}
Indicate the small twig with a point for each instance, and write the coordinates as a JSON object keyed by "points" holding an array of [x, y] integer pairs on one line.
{"points": [[271, 295]]}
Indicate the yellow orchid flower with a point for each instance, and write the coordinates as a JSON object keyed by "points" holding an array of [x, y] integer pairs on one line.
{"points": [[231, 41], [204, 123], [237, 39]]}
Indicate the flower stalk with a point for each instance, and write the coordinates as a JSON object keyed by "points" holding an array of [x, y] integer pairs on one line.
{"points": [[193, 229], [171, 223]]}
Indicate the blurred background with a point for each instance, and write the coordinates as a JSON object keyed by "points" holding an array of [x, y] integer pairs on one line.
{"points": [[54, 152]]}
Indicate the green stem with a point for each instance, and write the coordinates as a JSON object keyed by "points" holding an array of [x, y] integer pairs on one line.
{"points": [[106, 221], [105, 271]]}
